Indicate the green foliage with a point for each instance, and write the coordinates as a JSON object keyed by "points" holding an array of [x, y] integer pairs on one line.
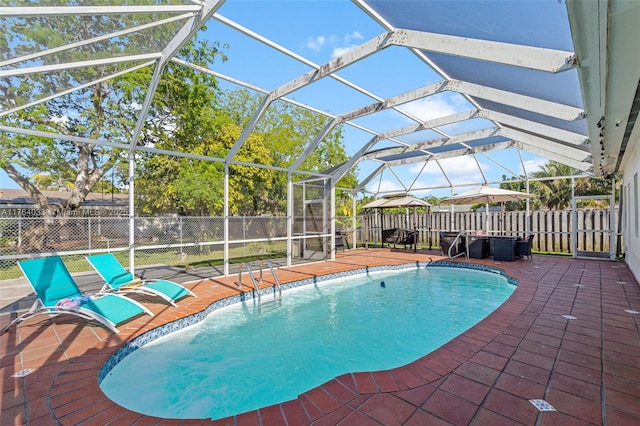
{"points": [[556, 193], [188, 114], [521, 186], [107, 110]]}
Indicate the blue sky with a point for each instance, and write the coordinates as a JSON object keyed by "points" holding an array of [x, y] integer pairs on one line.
{"points": [[321, 30]]}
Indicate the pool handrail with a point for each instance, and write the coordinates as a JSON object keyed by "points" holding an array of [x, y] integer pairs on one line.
{"points": [[453, 244], [255, 282], [253, 279], [276, 280]]}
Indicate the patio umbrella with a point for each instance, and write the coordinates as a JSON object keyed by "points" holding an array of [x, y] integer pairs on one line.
{"points": [[487, 194], [403, 201]]}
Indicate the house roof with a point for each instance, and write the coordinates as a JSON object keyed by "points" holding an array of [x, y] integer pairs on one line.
{"points": [[20, 198]]}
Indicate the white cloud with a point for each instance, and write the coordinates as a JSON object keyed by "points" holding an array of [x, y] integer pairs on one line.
{"points": [[431, 107], [316, 43], [338, 44], [353, 36], [337, 51], [385, 186], [533, 165]]}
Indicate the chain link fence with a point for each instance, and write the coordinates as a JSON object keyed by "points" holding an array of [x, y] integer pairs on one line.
{"points": [[186, 242]]}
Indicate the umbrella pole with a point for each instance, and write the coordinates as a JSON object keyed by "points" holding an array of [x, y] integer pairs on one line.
{"points": [[429, 226], [365, 230], [415, 230], [486, 226]]}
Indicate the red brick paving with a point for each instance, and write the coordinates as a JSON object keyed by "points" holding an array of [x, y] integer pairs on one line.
{"points": [[587, 368]]}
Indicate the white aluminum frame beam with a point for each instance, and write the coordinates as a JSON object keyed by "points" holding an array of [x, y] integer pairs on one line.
{"points": [[349, 57], [394, 101], [453, 153], [17, 12], [92, 40], [539, 106], [14, 72], [530, 57], [461, 138], [534, 127], [312, 146], [568, 155], [206, 10], [537, 140], [316, 74], [561, 157], [364, 182], [74, 89]]}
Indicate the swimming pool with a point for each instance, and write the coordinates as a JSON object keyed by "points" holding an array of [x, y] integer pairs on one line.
{"points": [[242, 358]]}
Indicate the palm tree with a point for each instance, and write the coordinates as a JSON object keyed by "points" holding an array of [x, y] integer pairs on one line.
{"points": [[554, 193]]}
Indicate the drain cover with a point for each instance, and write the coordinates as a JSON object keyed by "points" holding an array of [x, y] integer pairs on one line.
{"points": [[542, 405], [23, 373]]}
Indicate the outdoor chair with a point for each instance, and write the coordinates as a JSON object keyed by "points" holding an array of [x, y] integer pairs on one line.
{"points": [[57, 293], [118, 279], [523, 247]]}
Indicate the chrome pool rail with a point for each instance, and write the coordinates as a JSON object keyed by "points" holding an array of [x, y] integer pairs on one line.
{"points": [[277, 296]]}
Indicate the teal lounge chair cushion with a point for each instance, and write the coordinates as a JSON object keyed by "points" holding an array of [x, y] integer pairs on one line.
{"points": [[57, 293], [111, 307], [168, 288], [117, 278], [50, 279]]}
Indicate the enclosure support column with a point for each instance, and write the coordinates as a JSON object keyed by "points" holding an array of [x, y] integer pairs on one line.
{"points": [[330, 225], [527, 215], [226, 220], [612, 220], [289, 218], [354, 221], [574, 220], [303, 240], [527, 222], [132, 219]]}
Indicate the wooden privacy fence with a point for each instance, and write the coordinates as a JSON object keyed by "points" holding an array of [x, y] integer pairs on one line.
{"points": [[552, 228]]}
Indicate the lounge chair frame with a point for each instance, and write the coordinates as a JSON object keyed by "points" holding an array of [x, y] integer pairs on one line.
{"points": [[136, 285]]}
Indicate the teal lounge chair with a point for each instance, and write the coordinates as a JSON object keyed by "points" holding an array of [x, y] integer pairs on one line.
{"points": [[118, 279], [57, 293]]}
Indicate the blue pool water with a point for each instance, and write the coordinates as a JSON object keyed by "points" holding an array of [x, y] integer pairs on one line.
{"points": [[241, 358]]}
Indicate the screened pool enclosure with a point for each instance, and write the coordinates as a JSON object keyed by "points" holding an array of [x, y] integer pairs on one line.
{"points": [[428, 97]]}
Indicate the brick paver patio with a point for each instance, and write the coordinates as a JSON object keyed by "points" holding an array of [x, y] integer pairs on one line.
{"points": [[586, 366]]}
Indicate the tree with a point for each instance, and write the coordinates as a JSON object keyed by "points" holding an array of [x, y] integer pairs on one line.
{"points": [[107, 110], [287, 130], [520, 186], [556, 193]]}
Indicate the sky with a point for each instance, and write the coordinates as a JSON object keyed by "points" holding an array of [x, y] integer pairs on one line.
{"points": [[321, 30]]}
